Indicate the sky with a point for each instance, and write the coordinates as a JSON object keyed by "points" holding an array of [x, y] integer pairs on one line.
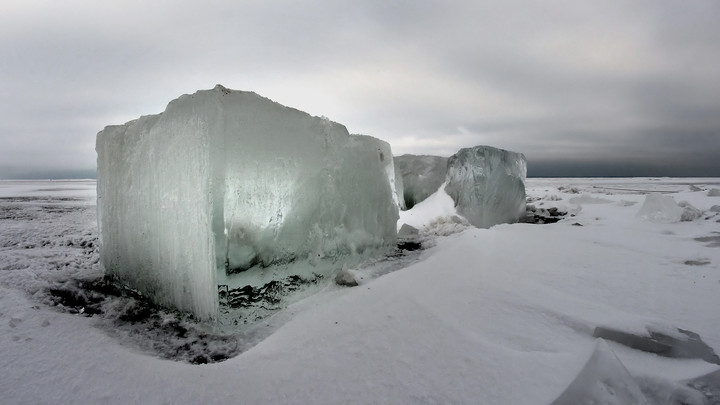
{"points": [[609, 88]]}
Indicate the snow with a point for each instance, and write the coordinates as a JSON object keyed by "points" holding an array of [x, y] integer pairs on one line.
{"points": [[438, 205], [493, 316], [227, 188], [603, 380], [487, 185]]}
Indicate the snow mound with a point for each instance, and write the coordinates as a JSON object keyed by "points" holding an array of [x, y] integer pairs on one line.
{"points": [[714, 192], [228, 188], [487, 185]]}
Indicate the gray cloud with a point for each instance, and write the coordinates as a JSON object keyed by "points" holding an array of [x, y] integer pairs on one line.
{"points": [[580, 88]]}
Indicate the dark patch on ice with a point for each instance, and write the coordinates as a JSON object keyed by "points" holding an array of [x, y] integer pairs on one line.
{"points": [[77, 300], [267, 296], [39, 199], [699, 262], [691, 346], [129, 315], [410, 199], [59, 189], [712, 240], [409, 245], [535, 215]]}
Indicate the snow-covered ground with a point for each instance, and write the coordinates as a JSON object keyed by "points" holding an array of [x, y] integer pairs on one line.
{"points": [[484, 316]]}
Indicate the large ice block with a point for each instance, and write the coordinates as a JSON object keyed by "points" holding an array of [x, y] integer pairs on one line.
{"points": [[487, 185], [421, 176], [228, 187]]}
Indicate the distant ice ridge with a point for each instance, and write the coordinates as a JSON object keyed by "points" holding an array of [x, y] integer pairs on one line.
{"points": [[227, 187], [485, 185]]}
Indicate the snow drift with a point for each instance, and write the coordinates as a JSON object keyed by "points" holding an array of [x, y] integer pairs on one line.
{"points": [[229, 188]]}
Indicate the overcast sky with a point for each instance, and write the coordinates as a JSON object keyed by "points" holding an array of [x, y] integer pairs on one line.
{"points": [[582, 88]]}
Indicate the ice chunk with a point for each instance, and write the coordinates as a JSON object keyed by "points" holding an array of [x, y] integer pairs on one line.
{"points": [[385, 153], [421, 176], [408, 231], [689, 213], [714, 192], [603, 380], [487, 185], [154, 202], [660, 208], [229, 188], [346, 278]]}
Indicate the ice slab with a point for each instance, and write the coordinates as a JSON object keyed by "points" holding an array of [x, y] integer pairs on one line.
{"points": [[487, 185], [660, 208], [230, 188], [683, 344], [421, 176]]}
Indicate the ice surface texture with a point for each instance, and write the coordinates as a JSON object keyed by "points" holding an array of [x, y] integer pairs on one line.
{"points": [[231, 180], [421, 176], [487, 185]]}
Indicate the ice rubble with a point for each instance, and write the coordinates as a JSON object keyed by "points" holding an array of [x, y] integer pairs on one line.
{"points": [[421, 176], [228, 187], [487, 185]]}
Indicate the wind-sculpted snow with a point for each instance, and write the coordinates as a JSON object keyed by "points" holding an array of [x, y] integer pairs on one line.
{"points": [[227, 188], [487, 185], [603, 380]]}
